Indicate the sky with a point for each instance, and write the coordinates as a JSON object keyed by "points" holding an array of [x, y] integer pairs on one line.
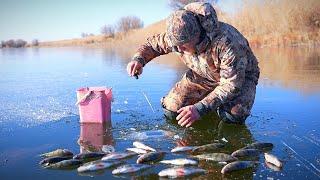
{"points": [[48, 20]]}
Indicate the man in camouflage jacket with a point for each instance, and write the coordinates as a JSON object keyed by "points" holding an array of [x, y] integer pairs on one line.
{"points": [[223, 71]]}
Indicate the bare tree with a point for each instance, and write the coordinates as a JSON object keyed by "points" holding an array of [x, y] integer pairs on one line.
{"points": [[83, 35], [10, 43], [129, 22], [178, 4], [20, 43], [107, 30], [3, 44], [35, 42]]}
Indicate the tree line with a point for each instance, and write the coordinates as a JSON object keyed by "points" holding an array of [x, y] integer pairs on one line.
{"points": [[124, 25], [18, 43]]}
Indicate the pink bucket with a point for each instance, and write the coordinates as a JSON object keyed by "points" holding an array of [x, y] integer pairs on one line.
{"points": [[94, 104]]}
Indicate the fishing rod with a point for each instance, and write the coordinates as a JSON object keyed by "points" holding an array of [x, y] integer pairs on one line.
{"points": [[144, 94]]}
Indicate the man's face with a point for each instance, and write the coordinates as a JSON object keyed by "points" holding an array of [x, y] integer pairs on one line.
{"points": [[189, 47]]}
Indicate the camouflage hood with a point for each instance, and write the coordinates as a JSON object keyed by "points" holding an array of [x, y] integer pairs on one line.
{"points": [[207, 17]]}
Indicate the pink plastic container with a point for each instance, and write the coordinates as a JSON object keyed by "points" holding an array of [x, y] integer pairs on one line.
{"points": [[94, 104]]}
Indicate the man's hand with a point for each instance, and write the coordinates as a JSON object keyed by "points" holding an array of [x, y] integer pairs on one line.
{"points": [[134, 68], [187, 115]]}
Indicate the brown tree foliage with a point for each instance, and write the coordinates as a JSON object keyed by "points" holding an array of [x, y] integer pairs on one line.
{"points": [[107, 30], [129, 22]]}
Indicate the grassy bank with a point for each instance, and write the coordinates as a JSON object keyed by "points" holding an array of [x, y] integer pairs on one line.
{"points": [[263, 23]]}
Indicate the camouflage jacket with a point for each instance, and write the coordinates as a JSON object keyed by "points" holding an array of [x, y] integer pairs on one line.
{"points": [[223, 57]]}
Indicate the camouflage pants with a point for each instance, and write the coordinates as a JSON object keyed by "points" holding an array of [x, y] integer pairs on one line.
{"points": [[192, 88]]}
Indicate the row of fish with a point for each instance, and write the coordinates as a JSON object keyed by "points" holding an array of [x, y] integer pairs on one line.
{"points": [[63, 158]]}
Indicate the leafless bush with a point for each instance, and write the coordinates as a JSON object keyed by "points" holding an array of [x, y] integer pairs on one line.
{"points": [[35, 42], [2, 44], [107, 30], [14, 43], [83, 35], [178, 4], [20, 43], [129, 22]]}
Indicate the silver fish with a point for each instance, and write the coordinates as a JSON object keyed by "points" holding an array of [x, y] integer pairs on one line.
{"points": [[57, 152], [246, 153], [117, 156], [273, 167], [180, 161], [150, 157], [217, 157], [130, 168], [52, 160], [208, 147], [182, 149], [237, 165], [89, 156], [273, 160], [97, 165], [137, 150], [180, 172], [140, 145], [65, 164], [260, 146]]}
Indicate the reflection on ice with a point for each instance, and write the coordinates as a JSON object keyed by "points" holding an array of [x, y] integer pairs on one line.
{"points": [[95, 137], [151, 134]]}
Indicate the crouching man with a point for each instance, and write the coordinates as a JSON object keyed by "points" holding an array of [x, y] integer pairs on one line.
{"points": [[223, 71]]}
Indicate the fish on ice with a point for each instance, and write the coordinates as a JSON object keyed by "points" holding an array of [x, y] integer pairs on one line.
{"points": [[52, 160], [260, 146], [65, 164], [130, 168], [137, 150], [217, 157], [270, 158], [57, 152], [180, 162], [246, 153], [208, 147], [177, 172], [97, 165], [117, 156], [183, 149], [89, 156], [150, 157], [237, 165], [140, 145]]}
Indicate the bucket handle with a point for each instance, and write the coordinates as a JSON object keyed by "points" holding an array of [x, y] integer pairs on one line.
{"points": [[84, 98]]}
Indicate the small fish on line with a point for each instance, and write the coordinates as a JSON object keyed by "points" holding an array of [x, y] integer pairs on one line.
{"points": [[130, 168], [177, 172], [57, 152], [150, 157], [140, 145], [180, 162], [273, 160], [117, 156], [98, 165], [237, 165]]}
